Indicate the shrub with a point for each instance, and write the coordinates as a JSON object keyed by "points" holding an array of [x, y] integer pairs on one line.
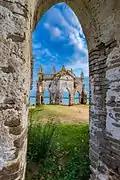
{"points": [[40, 140]]}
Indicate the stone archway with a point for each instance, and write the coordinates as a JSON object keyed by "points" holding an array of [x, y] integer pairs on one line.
{"points": [[101, 25]]}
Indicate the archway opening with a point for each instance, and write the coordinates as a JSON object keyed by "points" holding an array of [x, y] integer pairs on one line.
{"points": [[77, 99], [61, 66], [46, 97], [65, 97]]}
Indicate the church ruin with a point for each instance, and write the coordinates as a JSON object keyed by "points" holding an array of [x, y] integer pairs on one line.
{"points": [[57, 82]]}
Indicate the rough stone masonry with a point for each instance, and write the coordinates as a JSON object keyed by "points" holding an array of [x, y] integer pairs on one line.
{"points": [[100, 20]]}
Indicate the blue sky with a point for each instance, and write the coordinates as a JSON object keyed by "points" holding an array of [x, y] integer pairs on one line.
{"points": [[59, 40]]}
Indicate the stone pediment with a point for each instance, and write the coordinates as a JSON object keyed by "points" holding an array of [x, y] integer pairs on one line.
{"points": [[64, 73]]}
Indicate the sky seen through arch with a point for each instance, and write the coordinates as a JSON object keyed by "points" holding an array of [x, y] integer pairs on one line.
{"points": [[59, 40]]}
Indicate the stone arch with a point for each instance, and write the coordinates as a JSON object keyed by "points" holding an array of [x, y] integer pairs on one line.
{"points": [[101, 26]]}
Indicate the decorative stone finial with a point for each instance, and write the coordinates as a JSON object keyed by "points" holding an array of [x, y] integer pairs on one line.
{"points": [[53, 70], [82, 75], [40, 70], [84, 87], [63, 67]]}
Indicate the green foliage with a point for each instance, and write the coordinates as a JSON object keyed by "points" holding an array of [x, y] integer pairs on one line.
{"points": [[57, 151], [40, 139]]}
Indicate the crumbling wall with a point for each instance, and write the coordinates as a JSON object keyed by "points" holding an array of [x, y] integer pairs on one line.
{"points": [[56, 84]]}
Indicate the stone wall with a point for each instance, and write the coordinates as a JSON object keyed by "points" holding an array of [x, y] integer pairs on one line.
{"points": [[101, 25]]}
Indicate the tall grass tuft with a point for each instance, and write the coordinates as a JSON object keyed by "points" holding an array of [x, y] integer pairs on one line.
{"points": [[40, 140]]}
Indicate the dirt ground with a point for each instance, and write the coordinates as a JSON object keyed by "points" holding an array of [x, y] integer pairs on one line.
{"points": [[65, 114]]}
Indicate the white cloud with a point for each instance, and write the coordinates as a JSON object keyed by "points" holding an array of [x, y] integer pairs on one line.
{"points": [[78, 66], [72, 30], [70, 24], [46, 25], [36, 45], [56, 32], [76, 40], [38, 53]]}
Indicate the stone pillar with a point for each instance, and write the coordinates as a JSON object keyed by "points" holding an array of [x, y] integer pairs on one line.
{"points": [[83, 99], [71, 99], [41, 98], [98, 90], [60, 97], [52, 98], [39, 93], [80, 100], [57, 97], [83, 95], [15, 83]]}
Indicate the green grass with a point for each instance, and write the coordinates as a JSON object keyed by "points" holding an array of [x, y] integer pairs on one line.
{"points": [[66, 114], [57, 151]]}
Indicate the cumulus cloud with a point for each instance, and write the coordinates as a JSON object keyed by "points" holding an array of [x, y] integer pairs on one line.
{"points": [[70, 25], [55, 31], [79, 65], [75, 40], [39, 50], [36, 45], [62, 24]]}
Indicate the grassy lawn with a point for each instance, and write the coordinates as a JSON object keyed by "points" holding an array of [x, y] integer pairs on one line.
{"points": [[76, 114], [57, 151]]}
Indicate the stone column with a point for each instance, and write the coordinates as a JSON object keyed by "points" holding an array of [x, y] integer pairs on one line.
{"points": [[60, 97], [98, 88], [15, 83], [83, 99], [52, 98], [79, 98], [41, 98], [57, 98], [39, 93], [71, 99]]}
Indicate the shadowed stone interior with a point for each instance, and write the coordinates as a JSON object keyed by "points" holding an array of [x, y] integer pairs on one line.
{"points": [[101, 26]]}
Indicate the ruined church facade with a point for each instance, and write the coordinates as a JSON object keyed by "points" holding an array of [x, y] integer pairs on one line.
{"points": [[56, 83]]}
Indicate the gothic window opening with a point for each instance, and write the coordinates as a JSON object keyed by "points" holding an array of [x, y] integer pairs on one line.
{"points": [[77, 97], [65, 97], [46, 97]]}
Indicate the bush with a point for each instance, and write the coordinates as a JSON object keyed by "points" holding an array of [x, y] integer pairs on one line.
{"points": [[40, 141]]}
